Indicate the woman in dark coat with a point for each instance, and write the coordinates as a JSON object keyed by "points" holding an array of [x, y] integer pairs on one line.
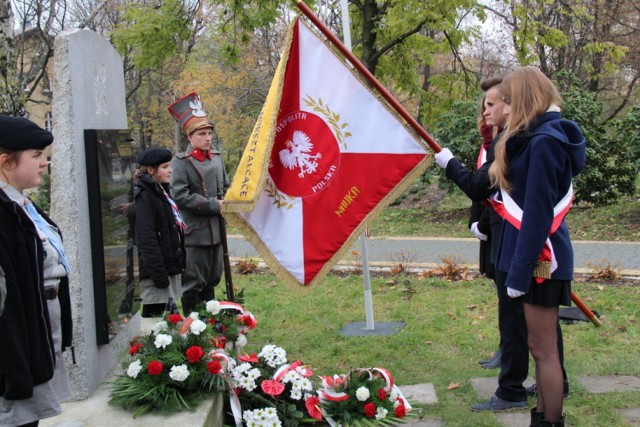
{"points": [[536, 159], [159, 233], [35, 322]]}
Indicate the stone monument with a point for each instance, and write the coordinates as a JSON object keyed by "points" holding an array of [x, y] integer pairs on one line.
{"points": [[89, 93]]}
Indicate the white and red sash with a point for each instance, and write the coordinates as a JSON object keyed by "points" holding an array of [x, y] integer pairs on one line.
{"points": [[508, 209], [482, 157]]}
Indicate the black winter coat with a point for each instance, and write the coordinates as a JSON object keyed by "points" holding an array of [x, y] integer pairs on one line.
{"points": [[159, 239], [27, 357]]}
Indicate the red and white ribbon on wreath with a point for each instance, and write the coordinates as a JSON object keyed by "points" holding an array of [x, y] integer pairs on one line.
{"points": [[282, 371], [328, 391], [508, 209], [228, 305], [234, 401]]}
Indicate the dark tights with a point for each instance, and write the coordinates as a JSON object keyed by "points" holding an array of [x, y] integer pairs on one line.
{"points": [[33, 424]]}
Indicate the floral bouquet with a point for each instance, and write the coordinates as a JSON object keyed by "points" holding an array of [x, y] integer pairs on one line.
{"points": [[363, 397], [182, 361], [270, 390]]}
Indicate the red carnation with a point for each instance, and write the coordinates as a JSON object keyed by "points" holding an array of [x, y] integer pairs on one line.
{"points": [[135, 348], [214, 367], [382, 394], [154, 367], [400, 411], [174, 318], [194, 353], [370, 409]]}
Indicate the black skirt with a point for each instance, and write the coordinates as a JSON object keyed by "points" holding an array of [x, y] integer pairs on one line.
{"points": [[550, 293]]}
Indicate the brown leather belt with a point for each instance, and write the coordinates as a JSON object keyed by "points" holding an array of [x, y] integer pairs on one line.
{"points": [[51, 292]]}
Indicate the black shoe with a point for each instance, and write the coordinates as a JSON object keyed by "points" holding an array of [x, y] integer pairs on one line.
{"points": [[496, 404], [494, 361], [533, 390]]}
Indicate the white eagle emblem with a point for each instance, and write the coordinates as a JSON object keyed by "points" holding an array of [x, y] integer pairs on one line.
{"points": [[297, 154], [196, 106]]}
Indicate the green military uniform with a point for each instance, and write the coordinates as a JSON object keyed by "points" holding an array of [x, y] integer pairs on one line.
{"points": [[196, 185]]}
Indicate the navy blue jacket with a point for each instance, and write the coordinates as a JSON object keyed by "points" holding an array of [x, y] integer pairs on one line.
{"points": [[541, 165]]}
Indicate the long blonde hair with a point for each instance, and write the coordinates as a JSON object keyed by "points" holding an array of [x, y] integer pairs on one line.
{"points": [[530, 93]]}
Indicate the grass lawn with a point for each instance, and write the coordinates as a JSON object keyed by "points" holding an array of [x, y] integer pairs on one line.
{"points": [[425, 210], [449, 327]]}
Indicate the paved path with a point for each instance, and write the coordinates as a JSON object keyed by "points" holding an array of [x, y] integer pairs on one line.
{"points": [[428, 251]]}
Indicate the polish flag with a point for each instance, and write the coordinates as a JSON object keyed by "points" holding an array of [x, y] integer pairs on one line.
{"points": [[326, 155]]}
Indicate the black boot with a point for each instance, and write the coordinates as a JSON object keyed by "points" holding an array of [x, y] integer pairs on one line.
{"points": [[536, 417], [494, 361], [190, 302], [545, 423]]}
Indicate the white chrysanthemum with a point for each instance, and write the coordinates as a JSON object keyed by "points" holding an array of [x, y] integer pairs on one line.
{"points": [[134, 368], [241, 341], [243, 367], [296, 394], [213, 307], [197, 327], [162, 340], [267, 417], [179, 372], [381, 413], [273, 356], [247, 383], [194, 315], [362, 394], [305, 384], [160, 326], [254, 373], [290, 377]]}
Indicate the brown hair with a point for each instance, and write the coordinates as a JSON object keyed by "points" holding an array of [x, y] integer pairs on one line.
{"points": [[14, 155], [486, 84], [529, 93]]}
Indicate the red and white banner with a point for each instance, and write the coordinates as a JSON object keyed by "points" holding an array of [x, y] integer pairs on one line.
{"points": [[335, 154]]}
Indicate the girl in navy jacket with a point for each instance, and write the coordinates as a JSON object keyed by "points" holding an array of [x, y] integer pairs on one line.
{"points": [[536, 159]]}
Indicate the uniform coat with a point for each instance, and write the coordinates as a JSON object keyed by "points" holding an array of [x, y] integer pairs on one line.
{"points": [[196, 187]]}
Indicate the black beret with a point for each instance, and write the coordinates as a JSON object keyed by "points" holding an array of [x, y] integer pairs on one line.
{"points": [[17, 133], [154, 157]]}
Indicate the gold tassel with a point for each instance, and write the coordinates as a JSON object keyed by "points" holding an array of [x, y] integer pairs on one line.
{"points": [[542, 270]]}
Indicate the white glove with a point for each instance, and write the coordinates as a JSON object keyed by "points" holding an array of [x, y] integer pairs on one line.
{"points": [[480, 235], [514, 293], [443, 157]]}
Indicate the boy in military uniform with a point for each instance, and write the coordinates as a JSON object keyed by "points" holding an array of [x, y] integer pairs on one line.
{"points": [[198, 182]]}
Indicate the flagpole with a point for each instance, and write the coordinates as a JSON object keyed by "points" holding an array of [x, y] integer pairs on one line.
{"points": [[368, 296], [366, 73]]}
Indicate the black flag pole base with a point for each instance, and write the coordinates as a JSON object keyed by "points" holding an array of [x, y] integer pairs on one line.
{"points": [[359, 329]]}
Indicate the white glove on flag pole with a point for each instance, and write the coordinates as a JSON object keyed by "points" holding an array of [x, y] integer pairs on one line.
{"points": [[324, 155]]}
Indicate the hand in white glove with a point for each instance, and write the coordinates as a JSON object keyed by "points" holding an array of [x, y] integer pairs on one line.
{"points": [[480, 235], [443, 157], [514, 293]]}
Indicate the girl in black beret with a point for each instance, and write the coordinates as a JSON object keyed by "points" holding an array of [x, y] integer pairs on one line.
{"points": [[35, 322], [159, 233]]}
